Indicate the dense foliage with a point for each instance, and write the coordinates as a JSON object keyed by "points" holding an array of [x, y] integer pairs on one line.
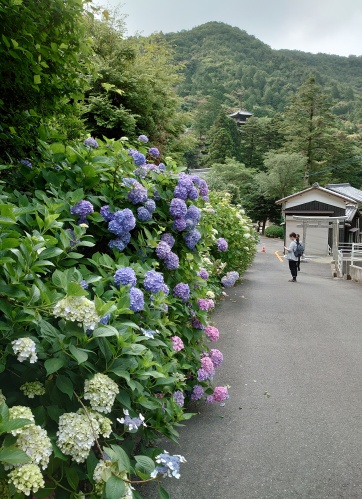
{"points": [[111, 264], [274, 231]]}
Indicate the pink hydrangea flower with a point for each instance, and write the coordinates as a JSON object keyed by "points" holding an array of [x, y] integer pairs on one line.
{"points": [[212, 332], [220, 394], [177, 343], [205, 303], [207, 365]]}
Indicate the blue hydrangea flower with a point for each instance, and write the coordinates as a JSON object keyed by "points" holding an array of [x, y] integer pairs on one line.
{"points": [[84, 284], [179, 398], [106, 214], [172, 261], [156, 194], [90, 142], [138, 194], [139, 158], [153, 282], [125, 276], [162, 167], [165, 289], [150, 205], [180, 192], [182, 290], [193, 193], [137, 300], [143, 214], [143, 138], [26, 162], [168, 465], [129, 182], [105, 319], [168, 238], [192, 238], [149, 333], [178, 208], [82, 209], [153, 151], [197, 392], [123, 221], [204, 190], [120, 242]]}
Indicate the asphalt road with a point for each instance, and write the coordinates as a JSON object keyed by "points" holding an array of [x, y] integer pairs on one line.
{"points": [[293, 359]]}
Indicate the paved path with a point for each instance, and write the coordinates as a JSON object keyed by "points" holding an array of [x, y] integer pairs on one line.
{"points": [[293, 425]]}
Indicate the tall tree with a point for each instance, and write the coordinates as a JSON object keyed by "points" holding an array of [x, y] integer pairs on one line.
{"points": [[309, 127]]}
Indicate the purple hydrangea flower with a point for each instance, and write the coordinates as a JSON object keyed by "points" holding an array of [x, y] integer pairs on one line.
{"points": [[192, 238], [196, 179], [165, 289], [156, 194], [26, 162], [177, 343], [203, 273], [138, 194], [182, 290], [162, 167], [179, 398], [222, 244], [212, 332], [178, 208], [150, 205], [172, 261], [197, 324], [194, 214], [207, 365], [143, 214], [162, 250], [168, 238], [205, 303], [90, 142], [143, 138], [154, 152], [180, 192], [84, 284], [179, 224], [123, 221], [220, 393], [125, 276], [229, 279], [197, 392], [129, 182], [204, 190], [120, 242], [203, 375], [139, 158], [106, 214], [216, 357], [82, 209], [137, 300], [153, 281], [193, 193]]}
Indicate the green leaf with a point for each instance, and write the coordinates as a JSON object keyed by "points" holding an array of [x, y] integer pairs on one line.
{"points": [[37, 79], [51, 253], [115, 488], [163, 493], [121, 373], [79, 354], [14, 424], [65, 385], [134, 350], [104, 331], [72, 477], [144, 464], [53, 365], [12, 455], [75, 289]]}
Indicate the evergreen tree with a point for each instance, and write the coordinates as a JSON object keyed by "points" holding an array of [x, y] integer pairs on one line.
{"points": [[224, 139]]}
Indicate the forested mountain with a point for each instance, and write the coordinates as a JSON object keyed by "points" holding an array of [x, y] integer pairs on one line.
{"points": [[235, 68]]}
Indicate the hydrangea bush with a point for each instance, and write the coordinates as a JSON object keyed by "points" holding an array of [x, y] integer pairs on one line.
{"points": [[105, 328]]}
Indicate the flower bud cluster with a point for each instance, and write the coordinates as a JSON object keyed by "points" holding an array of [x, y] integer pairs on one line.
{"points": [[32, 388], [25, 348], [77, 309]]}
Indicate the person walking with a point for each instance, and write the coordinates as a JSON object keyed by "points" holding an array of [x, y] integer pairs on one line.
{"points": [[292, 259], [299, 257]]}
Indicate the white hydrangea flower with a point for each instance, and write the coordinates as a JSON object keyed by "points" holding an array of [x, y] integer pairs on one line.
{"points": [[25, 348], [75, 435], [20, 412], [104, 423], [207, 261], [210, 294], [77, 309], [27, 479], [32, 388], [101, 392], [34, 441]]}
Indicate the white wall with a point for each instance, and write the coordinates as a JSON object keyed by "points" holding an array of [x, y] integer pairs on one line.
{"points": [[315, 239]]}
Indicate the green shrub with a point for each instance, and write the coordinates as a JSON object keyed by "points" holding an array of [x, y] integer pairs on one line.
{"points": [[87, 348], [275, 231]]}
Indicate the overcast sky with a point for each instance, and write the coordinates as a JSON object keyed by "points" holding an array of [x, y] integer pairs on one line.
{"points": [[329, 26]]}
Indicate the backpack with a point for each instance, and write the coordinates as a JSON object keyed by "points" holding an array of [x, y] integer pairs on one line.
{"points": [[299, 250]]}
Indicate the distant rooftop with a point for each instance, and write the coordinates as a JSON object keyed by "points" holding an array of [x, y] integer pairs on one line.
{"points": [[346, 190], [240, 112]]}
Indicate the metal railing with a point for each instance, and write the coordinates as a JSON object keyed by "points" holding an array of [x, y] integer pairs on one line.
{"points": [[348, 254]]}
